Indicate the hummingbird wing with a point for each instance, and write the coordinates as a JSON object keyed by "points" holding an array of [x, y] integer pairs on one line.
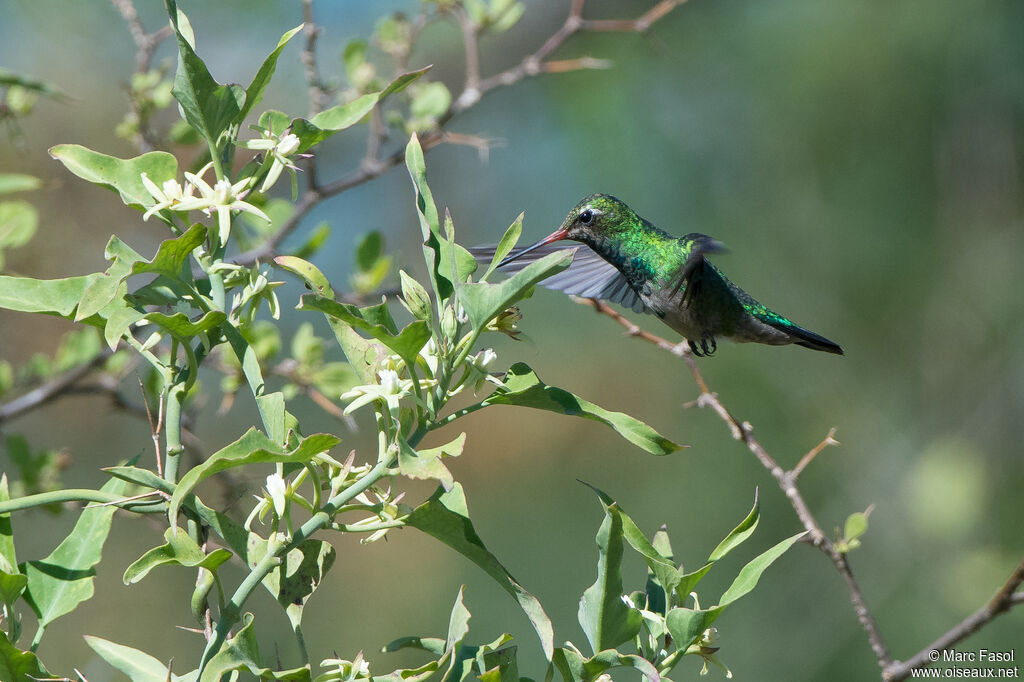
{"points": [[589, 275], [689, 276]]}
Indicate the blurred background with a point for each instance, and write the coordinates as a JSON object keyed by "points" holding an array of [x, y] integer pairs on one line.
{"points": [[861, 159]]}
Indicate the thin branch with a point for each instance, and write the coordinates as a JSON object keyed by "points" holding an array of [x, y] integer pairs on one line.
{"points": [[1001, 602], [786, 480], [146, 45], [809, 457], [311, 30], [892, 670], [470, 34], [52, 389], [531, 65]]}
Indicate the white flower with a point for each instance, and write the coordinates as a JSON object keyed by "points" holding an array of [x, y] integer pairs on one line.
{"points": [[276, 488], [223, 198], [391, 389], [168, 196], [280, 150]]}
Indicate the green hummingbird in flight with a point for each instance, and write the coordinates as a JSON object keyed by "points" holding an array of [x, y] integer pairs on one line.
{"points": [[625, 259]]}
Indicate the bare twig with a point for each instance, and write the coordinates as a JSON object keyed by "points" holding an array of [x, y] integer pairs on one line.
{"points": [[809, 457], [146, 45], [317, 92], [1001, 602], [892, 670], [786, 480], [475, 88], [50, 390]]}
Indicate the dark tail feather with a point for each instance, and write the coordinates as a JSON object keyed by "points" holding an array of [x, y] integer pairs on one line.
{"points": [[809, 339]]}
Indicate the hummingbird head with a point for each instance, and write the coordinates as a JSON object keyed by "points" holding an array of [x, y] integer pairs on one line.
{"points": [[594, 218]]}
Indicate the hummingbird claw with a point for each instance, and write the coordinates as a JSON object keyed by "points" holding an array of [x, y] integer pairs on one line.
{"points": [[706, 347]]}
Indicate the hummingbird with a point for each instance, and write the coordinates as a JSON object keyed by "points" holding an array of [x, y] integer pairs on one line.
{"points": [[624, 259]]}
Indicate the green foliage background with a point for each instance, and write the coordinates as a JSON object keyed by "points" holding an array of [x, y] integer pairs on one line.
{"points": [[863, 162]]}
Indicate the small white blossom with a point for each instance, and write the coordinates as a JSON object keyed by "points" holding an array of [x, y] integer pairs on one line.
{"points": [[280, 149], [223, 198], [277, 489], [391, 389]]}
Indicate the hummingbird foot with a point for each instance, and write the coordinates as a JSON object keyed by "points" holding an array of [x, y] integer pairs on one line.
{"points": [[706, 347]]}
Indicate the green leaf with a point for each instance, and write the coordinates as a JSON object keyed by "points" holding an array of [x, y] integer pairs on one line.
{"points": [[605, 618], [330, 121], [300, 572], [251, 448], [524, 388], [121, 175], [17, 665], [483, 301], [180, 550], [18, 182], [575, 668], [430, 226], [314, 278], [406, 344], [12, 583], [445, 517], [505, 245], [687, 625], [208, 106], [426, 463], [18, 223], [101, 292], [49, 296], [137, 665], [856, 526], [738, 534], [254, 93], [64, 579], [241, 652], [172, 254], [369, 250], [182, 328], [751, 573]]}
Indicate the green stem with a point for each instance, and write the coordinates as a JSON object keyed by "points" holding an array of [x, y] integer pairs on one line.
{"points": [[455, 415], [172, 431], [232, 610], [60, 497], [368, 527]]}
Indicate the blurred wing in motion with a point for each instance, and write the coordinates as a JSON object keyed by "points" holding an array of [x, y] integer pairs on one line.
{"points": [[589, 275]]}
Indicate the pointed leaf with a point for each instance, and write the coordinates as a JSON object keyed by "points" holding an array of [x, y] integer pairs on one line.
{"points": [[64, 579], [180, 550], [103, 290], [505, 245], [208, 106], [751, 573], [254, 93], [137, 665], [314, 279], [406, 344], [182, 328], [171, 255], [121, 175], [445, 517], [604, 616], [430, 225], [740, 533], [250, 448], [524, 388]]}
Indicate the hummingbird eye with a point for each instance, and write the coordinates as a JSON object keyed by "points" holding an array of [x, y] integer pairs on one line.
{"points": [[586, 217]]}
